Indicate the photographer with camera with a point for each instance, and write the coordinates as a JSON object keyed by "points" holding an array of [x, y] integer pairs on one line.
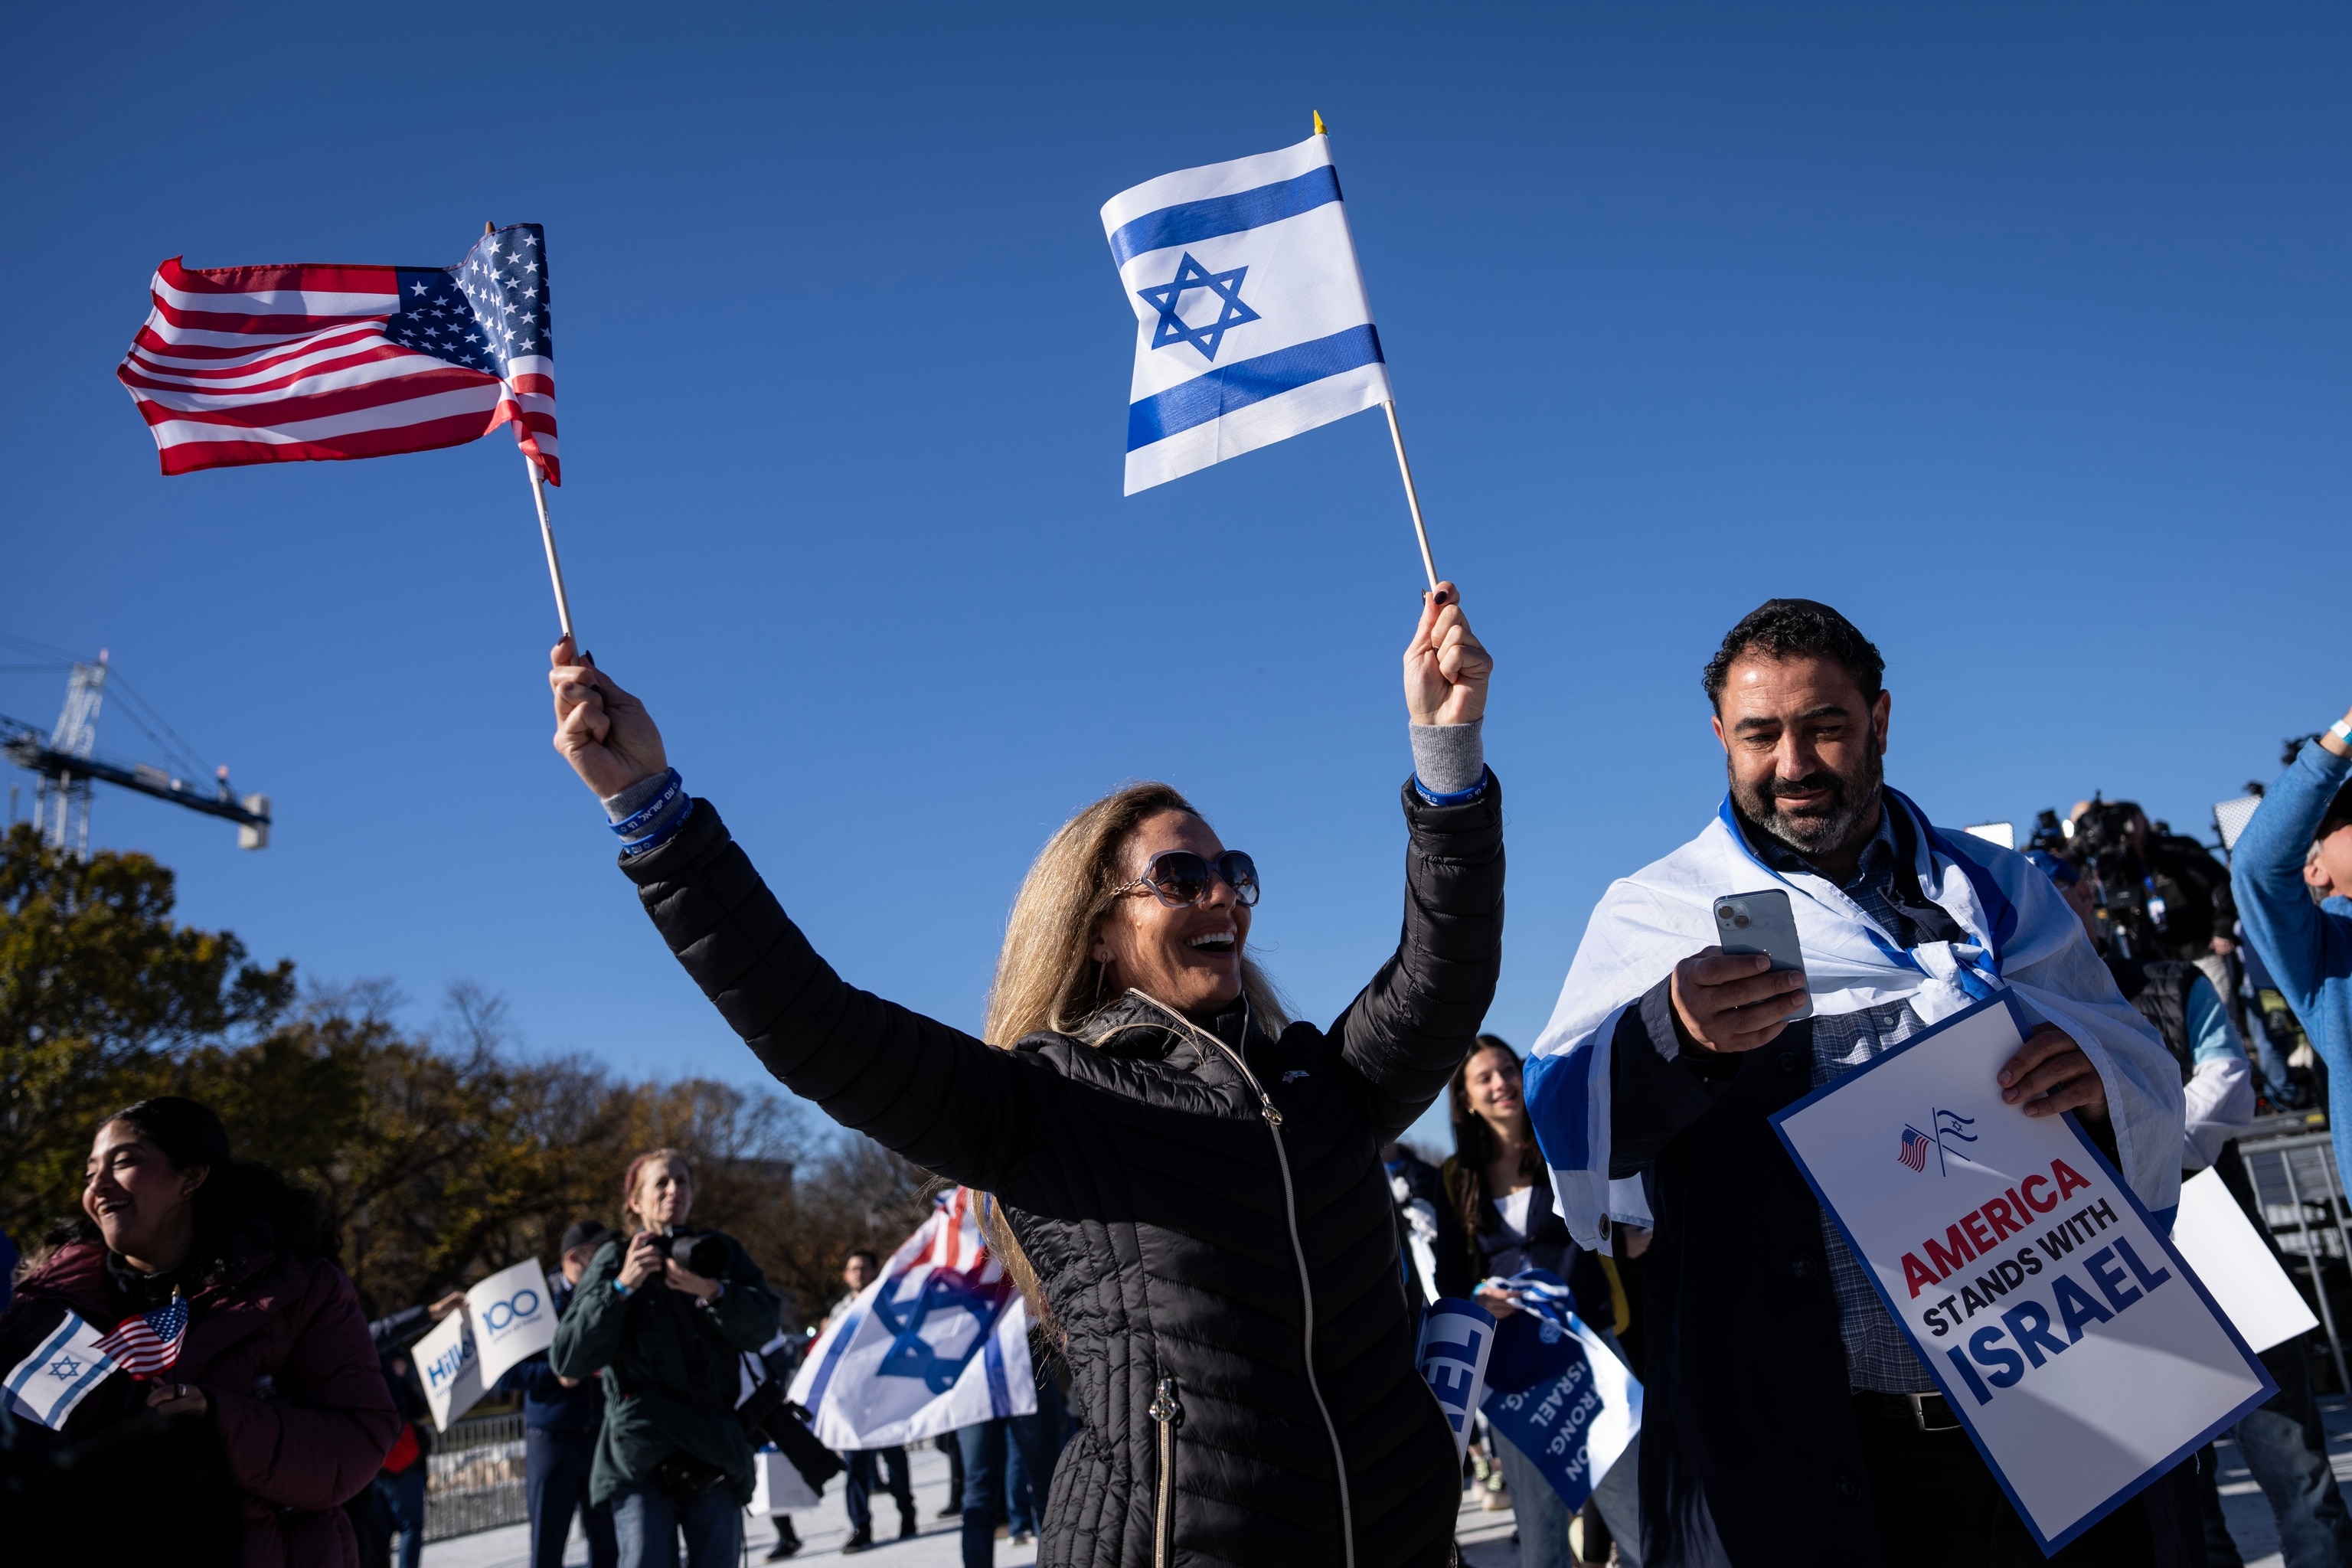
{"points": [[666, 1317], [2163, 896]]}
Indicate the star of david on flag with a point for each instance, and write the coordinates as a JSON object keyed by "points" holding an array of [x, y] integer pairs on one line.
{"points": [[1252, 322], [1169, 300], [62, 1370], [940, 1341]]}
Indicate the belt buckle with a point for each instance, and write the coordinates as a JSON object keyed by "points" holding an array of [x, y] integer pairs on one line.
{"points": [[1919, 1403]]}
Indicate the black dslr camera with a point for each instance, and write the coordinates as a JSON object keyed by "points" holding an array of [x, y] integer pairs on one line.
{"points": [[700, 1253]]}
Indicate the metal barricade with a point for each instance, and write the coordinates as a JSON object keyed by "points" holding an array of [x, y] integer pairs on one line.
{"points": [[475, 1478], [2302, 1202]]}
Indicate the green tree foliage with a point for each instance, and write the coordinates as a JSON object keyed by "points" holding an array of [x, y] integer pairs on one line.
{"points": [[442, 1157]]}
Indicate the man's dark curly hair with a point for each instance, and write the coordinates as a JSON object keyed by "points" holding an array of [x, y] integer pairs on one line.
{"points": [[1797, 628]]}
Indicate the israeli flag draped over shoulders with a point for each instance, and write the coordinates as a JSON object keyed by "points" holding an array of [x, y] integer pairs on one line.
{"points": [[2021, 940], [1252, 324]]}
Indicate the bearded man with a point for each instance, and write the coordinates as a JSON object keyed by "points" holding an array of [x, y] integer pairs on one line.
{"points": [[1787, 1418]]}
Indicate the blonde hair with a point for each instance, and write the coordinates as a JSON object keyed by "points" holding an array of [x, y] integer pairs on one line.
{"points": [[637, 1167], [1048, 978], [1046, 975]]}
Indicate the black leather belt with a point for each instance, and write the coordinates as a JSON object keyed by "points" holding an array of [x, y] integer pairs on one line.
{"points": [[1917, 1411]]}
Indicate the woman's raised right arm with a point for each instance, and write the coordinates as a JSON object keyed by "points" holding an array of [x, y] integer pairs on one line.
{"points": [[937, 1096]]}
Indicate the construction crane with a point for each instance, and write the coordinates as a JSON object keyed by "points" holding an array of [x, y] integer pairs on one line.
{"points": [[64, 759]]}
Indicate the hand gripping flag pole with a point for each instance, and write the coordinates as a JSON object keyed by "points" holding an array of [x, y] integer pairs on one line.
{"points": [[310, 363], [1252, 322]]}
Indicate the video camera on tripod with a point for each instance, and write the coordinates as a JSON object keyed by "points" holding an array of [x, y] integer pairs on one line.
{"points": [[2100, 844]]}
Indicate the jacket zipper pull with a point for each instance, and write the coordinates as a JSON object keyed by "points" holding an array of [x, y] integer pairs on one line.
{"points": [[1265, 1109], [1163, 1405]]}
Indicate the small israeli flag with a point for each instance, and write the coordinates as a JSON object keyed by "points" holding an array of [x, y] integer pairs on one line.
{"points": [[59, 1374], [1252, 322]]}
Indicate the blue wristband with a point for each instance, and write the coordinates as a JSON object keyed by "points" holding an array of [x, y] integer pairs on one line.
{"points": [[659, 836], [635, 823], [1458, 797], [619, 1289]]}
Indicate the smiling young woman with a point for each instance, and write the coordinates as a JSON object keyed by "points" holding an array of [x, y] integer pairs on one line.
{"points": [[1189, 1185], [276, 1360]]}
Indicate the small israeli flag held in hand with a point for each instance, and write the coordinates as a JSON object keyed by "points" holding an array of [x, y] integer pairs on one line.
{"points": [[59, 1374], [1251, 319]]}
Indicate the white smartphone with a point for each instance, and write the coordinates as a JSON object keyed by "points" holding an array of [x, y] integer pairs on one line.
{"points": [[1763, 922]]}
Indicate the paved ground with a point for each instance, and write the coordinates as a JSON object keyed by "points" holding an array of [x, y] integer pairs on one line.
{"points": [[1486, 1538]]}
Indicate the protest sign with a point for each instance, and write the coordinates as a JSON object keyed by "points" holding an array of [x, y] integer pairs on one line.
{"points": [[2082, 1355], [450, 1368], [2221, 1245], [1577, 1416], [1456, 1338], [513, 1317]]}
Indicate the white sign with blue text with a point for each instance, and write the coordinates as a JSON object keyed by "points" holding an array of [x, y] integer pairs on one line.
{"points": [[450, 1368], [513, 1317], [1457, 1336], [2082, 1355]]}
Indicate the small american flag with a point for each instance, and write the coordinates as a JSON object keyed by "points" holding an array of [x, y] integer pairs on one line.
{"points": [[283, 364], [146, 1343], [1915, 1145]]}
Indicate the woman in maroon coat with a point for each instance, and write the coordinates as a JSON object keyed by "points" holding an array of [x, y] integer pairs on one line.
{"points": [[277, 1358]]}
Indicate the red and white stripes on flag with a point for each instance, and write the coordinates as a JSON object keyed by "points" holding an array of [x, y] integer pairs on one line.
{"points": [[275, 364]]}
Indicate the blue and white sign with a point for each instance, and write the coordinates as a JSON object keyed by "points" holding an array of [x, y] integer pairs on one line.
{"points": [[513, 1317], [1557, 1390], [1252, 324], [450, 1368], [1456, 1338], [59, 1374], [2067, 1331]]}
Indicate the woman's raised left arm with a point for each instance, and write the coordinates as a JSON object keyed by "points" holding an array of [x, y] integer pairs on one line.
{"points": [[1407, 1031]]}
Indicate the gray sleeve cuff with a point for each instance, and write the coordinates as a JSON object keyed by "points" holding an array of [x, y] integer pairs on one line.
{"points": [[629, 802], [1449, 758]]}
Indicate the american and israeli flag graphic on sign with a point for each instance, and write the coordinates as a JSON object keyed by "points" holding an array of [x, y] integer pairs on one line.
{"points": [[1252, 324]]}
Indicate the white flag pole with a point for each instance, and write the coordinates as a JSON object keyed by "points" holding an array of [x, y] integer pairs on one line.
{"points": [[547, 529], [1411, 499], [555, 567]]}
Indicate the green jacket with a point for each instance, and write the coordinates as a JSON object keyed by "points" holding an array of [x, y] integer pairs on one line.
{"points": [[672, 1368]]}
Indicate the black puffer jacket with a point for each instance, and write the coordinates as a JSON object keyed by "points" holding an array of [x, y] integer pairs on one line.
{"points": [[1207, 1214]]}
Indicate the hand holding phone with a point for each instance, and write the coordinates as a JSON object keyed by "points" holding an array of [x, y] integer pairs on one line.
{"points": [[1739, 994]]}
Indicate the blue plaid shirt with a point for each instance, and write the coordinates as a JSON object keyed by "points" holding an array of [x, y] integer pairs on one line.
{"points": [[1878, 1354]]}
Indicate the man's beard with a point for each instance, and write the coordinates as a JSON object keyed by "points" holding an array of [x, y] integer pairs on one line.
{"points": [[1818, 829]]}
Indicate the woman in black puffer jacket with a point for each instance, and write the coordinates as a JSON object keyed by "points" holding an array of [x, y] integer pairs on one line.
{"points": [[1192, 1186]]}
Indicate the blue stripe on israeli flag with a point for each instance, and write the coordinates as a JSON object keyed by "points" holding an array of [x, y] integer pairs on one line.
{"points": [[59, 1374], [1252, 322]]}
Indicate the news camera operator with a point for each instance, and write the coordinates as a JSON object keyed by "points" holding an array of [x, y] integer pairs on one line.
{"points": [[2163, 895], [666, 1317], [2284, 1442]]}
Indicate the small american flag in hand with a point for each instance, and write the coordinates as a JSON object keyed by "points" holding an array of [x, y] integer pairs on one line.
{"points": [[146, 1343]]}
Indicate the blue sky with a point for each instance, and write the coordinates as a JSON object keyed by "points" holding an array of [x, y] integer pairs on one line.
{"points": [[2017, 333]]}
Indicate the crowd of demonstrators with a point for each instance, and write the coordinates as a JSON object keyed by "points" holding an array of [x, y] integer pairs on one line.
{"points": [[1154, 1129], [2283, 1443], [667, 1340], [1838, 1440], [275, 1369], [1499, 1196]]}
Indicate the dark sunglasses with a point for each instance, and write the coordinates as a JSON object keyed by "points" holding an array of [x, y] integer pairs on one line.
{"points": [[1181, 876]]}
